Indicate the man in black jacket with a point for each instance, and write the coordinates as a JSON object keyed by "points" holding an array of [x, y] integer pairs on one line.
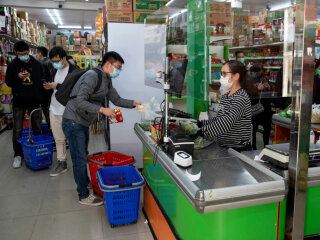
{"points": [[24, 76], [58, 57], [48, 73]]}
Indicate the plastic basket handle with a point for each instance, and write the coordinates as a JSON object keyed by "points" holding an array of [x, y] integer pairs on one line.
{"points": [[99, 163], [125, 185]]}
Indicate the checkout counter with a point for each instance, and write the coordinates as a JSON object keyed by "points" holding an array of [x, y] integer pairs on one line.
{"points": [[234, 198]]}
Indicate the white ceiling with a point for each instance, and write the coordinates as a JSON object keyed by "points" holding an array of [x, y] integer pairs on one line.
{"points": [[68, 17]]}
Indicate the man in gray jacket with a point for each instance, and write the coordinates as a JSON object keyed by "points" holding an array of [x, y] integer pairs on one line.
{"points": [[81, 111]]}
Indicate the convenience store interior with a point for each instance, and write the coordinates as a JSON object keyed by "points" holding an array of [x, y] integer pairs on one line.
{"points": [[279, 40]]}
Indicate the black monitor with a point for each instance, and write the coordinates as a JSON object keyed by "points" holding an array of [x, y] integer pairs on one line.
{"points": [[177, 73]]}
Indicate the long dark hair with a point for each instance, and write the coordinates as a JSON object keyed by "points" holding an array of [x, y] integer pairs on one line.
{"points": [[240, 68]]}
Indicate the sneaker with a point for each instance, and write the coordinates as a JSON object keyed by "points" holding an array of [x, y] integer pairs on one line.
{"points": [[17, 162], [91, 201], [60, 168]]}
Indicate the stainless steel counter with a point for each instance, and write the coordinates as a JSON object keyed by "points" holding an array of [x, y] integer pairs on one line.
{"points": [[228, 179], [313, 172]]}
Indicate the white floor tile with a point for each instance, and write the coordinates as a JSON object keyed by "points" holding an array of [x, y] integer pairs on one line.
{"points": [[17, 228], [82, 225]]}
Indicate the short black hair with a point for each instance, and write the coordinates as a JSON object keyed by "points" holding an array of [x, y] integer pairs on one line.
{"points": [[21, 46], [57, 51], [237, 52], [112, 57], [43, 51]]}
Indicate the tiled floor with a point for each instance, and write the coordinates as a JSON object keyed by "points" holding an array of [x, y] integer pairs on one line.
{"points": [[34, 206]]}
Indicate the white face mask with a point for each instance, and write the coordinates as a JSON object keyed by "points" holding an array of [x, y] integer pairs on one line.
{"points": [[224, 81]]}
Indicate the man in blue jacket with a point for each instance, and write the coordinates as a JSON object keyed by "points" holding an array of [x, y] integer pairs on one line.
{"points": [[24, 75], [81, 110]]}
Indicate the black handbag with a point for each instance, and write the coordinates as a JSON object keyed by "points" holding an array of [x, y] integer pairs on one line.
{"points": [[257, 108]]}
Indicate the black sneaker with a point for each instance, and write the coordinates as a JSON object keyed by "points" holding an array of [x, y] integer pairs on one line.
{"points": [[59, 169], [91, 200]]}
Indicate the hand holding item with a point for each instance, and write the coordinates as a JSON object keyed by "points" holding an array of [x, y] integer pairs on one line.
{"points": [[108, 112], [267, 86], [23, 75], [49, 86], [136, 103], [260, 87]]}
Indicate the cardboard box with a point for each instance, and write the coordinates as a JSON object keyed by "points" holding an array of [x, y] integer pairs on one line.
{"points": [[83, 41], [90, 38], [220, 18], [150, 6], [119, 5], [119, 16], [77, 34], [23, 15], [64, 38], [139, 17], [77, 43], [95, 47], [263, 17], [58, 38], [71, 47]]}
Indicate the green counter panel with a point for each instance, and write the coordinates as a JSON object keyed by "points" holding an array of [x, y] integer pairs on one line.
{"points": [[312, 223], [250, 223]]}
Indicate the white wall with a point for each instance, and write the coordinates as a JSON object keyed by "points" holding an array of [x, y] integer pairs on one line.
{"points": [[128, 41]]}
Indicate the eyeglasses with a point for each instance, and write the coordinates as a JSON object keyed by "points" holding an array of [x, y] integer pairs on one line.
{"points": [[223, 74], [119, 68]]}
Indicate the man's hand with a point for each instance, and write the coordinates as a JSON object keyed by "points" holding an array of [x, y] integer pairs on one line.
{"points": [[23, 75], [108, 112], [136, 103], [49, 86]]}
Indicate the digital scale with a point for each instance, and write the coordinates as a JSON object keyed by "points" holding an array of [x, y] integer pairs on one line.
{"points": [[182, 159], [278, 154]]}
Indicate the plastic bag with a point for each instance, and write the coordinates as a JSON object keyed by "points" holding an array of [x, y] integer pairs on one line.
{"points": [[150, 110], [315, 116], [189, 127]]}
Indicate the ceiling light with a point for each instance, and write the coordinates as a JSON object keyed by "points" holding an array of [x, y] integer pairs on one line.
{"points": [[87, 27], [49, 13], [168, 3], [70, 27], [58, 16], [87, 0], [281, 6]]}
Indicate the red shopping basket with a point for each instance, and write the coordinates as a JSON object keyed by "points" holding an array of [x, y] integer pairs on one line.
{"points": [[106, 159]]}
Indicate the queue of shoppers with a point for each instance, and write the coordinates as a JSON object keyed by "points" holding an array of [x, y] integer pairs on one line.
{"points": [[35, 82]]}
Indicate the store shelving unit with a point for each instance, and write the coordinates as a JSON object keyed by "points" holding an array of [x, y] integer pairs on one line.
{"points": [[261, 58], [14, 40], [257, 46]]}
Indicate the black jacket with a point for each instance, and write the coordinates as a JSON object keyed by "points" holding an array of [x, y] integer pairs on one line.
{"points": [[48, 76], [27, 91]]}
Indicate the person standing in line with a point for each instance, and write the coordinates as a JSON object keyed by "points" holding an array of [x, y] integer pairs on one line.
{"points": [[24, 75], [48, 73], [86, 100], [58, 57]]}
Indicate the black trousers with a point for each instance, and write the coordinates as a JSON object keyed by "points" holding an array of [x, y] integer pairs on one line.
{"points": [[18, 116]]}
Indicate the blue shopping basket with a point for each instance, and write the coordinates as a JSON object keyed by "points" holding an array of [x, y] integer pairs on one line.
{"points": [[121, 187]]}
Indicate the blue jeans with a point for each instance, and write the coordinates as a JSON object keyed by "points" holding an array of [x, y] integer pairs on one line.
{"points": [[78, 138]]}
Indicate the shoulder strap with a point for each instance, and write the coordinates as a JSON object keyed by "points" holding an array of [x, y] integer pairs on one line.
{"points": [[100, 79]]}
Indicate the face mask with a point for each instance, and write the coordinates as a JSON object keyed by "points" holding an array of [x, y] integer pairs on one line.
{"points": [[241, 60], [57, 65], [24, 58], [116, 73], [224, 81]]}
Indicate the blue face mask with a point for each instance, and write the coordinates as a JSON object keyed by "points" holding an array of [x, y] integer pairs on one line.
{"points": [[116, 73], [241, 60], [57, 65], [24, 58]]}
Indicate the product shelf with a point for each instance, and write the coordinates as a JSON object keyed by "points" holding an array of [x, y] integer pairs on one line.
{"points": [[14, 39], [272, 67], [261, 58], [257, 46]]}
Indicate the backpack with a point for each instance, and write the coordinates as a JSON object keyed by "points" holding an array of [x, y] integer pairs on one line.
{"points": [[64, 91]]}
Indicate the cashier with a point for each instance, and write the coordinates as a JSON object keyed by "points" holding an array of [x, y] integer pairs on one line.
{"points": [[232, 126]]}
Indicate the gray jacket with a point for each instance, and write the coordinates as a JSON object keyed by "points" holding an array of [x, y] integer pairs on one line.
{"points": [[86, 105]]}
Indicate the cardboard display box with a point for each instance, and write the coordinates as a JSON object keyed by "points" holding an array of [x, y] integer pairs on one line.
{"points": [[139, 17], [150, 6], [119, 5], [119, 16], [77, 34], [220, 18]]}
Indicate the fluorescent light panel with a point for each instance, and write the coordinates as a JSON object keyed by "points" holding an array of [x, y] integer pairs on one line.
{"points": [[58, 16], [87, 27], [281, 6], [70, 27], [53, 20]]}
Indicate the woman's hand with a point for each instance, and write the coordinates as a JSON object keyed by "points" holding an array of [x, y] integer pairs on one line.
{"points": [[260, 86]]}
